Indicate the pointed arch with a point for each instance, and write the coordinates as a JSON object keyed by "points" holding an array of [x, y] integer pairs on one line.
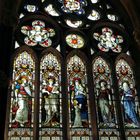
{"points": [[22, 95], [104, 96], [78, 98], [50, 98], [128, 95]]}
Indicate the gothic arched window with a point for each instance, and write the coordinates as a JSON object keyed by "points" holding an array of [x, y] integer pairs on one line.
{"points": [[68, 79], [128, 97], [105, 101], [21, 119], [78, 99]]}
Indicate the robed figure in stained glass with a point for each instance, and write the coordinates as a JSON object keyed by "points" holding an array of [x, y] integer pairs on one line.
{"points": [[78, 98], [21, 102], [105, 104], [50, 93], [128, 103]]}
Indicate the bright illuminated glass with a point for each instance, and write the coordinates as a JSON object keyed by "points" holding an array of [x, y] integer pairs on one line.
{"points": [[38, 34], [74, 41], [108, 40]]}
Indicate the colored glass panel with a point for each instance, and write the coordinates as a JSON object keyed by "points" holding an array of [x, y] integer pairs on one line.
{"points": [[31, 8], [51, 10], [50, 121], [38, 34], [78, 99], [94, 15], [108, 41], [73, 6], [75, 41], [105, 102], [22, 97], [128, 95], [74, 24]]}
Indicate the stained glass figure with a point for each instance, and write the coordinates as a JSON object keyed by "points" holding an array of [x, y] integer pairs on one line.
{"points": [[51, 10], [94, 15], [75, 41], [73, 6], [74, 24], [105, 102], [38, 34], [128, 94], [104, 94], [22, 96], [108, 41], [78, 95], [50, 94]]}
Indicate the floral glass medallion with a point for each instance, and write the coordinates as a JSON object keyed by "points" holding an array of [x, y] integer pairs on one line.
{"points": [[94, 15], [73, 6], [38, 34], [108, 40], [51, 11], [75, 41], [74, 24]]}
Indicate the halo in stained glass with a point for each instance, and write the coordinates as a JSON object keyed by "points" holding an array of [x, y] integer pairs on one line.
{"points": [[94, 15], [75, 41], [108, 40], [51, 11], [38, 34], [74, 24]]}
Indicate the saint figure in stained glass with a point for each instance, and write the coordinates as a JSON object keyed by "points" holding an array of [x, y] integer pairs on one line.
{"points": [[104, 94], [128, 103], [128, 94], [105, 104], [50, 94], [50, 91], [22, 101]]}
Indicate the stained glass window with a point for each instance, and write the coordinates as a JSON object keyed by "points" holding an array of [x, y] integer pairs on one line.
{"points": [[38, 34], [79, 114], [108, 41], [105, 102], [50, 121], [93, 27], [129, 98], [75, 41], [21, 119]]}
